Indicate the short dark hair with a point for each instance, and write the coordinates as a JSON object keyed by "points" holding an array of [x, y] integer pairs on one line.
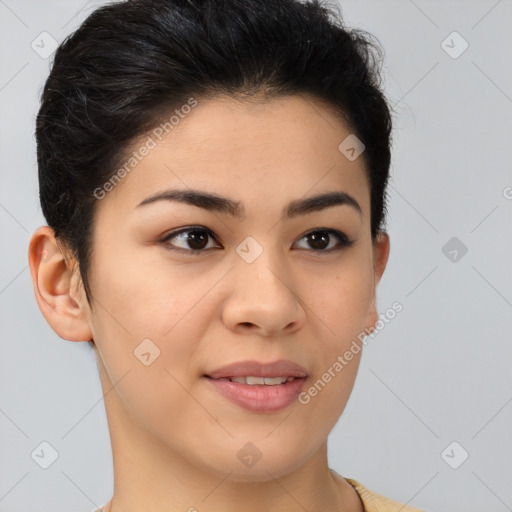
{"points": [[130, 63]]}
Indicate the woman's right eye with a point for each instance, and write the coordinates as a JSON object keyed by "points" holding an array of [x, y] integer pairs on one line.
{"points": [[193, 240]]}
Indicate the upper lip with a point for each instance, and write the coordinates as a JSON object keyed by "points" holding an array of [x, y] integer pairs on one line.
{"points": [[281, 368]]}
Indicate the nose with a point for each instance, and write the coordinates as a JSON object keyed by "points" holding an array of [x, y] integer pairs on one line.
{"points": [[262, 299]]}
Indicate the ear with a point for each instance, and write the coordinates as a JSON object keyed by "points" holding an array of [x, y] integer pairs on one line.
{"points": [[57, 287], [381, 248]]}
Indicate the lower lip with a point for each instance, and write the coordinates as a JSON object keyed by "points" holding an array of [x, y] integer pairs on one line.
{"points": [[260, 397]]}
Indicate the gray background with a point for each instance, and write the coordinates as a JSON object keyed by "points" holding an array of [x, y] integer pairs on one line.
{"points": [[438, 373]]}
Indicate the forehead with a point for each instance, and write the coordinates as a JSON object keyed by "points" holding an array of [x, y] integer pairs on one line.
{"points": [[254, 151]]}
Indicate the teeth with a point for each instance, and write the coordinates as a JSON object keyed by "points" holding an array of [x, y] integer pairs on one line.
{"points": [[269, 381]]}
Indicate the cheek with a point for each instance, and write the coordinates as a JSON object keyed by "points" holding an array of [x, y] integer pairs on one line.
{"points": [[343, 303], [339, 310], [145, 296], [148, 327]]}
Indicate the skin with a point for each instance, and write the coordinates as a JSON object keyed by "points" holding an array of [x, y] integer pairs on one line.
{"points": [[175, 439]]}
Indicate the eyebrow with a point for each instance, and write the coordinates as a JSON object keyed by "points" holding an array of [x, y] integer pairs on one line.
{"points": [[215, 203]]}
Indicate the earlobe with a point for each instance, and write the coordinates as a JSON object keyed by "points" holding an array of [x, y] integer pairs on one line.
{"points": [[57, 288], [381, 249]]}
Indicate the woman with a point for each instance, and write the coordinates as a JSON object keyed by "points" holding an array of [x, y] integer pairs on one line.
{"points": [[213, 174]]}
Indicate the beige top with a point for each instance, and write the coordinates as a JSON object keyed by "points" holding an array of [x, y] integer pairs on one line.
{"points": [[376, 503], [372, 502]]}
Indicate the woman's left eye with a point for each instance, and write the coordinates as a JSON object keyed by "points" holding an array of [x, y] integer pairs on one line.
{"points": [[319, 240]]}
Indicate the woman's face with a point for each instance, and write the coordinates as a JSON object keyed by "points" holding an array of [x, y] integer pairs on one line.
{"points": [[261, 286]]}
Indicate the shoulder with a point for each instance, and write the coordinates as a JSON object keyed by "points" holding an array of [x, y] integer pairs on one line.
{"points": [[376, 503]]}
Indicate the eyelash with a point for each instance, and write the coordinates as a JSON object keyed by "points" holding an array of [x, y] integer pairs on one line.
{"points": [[343, 240]]}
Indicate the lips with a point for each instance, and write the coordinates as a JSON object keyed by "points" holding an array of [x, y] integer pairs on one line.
{"points": [[281, 368], [259, 398], [240, 383]]}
